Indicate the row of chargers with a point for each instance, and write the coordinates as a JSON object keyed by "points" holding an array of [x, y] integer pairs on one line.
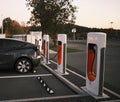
{"points": [[95, 61]]}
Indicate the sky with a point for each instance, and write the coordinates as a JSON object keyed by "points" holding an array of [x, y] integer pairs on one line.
{"points": [[90, 13]]}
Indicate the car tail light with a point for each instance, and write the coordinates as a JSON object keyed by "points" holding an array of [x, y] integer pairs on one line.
{"points": [[37, 52]]}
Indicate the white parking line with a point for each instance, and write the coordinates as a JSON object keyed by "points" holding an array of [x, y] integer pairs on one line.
{"points": [[108, 90], [76, 74], [53, 61], [24, 76], [42, 98], [71, 71]]}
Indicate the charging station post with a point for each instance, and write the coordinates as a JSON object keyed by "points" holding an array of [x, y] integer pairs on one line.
{"points": [[62, 50], [35, 38], [45, 49], [95, 63]]}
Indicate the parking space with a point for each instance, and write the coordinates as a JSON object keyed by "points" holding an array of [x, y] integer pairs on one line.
{"points": [[27, 87], [20, 88], [30, 87]]}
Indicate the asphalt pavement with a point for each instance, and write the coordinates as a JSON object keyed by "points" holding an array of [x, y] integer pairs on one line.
{"points": [[28, 87]]}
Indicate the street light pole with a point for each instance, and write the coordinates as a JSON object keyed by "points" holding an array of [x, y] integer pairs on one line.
{"points": [[74, 31]]}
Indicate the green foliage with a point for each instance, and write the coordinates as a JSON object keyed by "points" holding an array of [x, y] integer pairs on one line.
{"points": [[50, 13], [35, 28]]}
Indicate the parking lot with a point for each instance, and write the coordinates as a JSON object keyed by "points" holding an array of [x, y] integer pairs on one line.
{"points": [[16, 87], [28, 87]]}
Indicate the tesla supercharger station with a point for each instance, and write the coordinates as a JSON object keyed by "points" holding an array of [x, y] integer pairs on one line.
{"points": [[36, 38], [95, 63], [46, 49], [61, 59]]}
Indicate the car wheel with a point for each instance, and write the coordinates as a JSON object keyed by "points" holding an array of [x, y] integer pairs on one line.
{"points": [[23, 65]]}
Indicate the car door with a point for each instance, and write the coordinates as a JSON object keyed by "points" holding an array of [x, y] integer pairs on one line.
{"points": [[2, 53], [5, 53]]}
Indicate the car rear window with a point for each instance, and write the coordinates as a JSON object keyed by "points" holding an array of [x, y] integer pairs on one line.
{"points": [[6, 43]]}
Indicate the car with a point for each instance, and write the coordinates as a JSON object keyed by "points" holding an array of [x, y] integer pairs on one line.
{"points": [[20, 55]]}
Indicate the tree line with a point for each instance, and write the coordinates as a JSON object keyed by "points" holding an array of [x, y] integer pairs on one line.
{"points": [[12, 27]]}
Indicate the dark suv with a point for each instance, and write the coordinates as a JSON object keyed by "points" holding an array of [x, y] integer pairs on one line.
{"points": [[22, 56]]}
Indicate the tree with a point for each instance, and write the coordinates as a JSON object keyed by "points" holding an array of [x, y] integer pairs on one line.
{"points": [[51, 13], [0, 31], [6, 24], [15, 28], [12, 27]]}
